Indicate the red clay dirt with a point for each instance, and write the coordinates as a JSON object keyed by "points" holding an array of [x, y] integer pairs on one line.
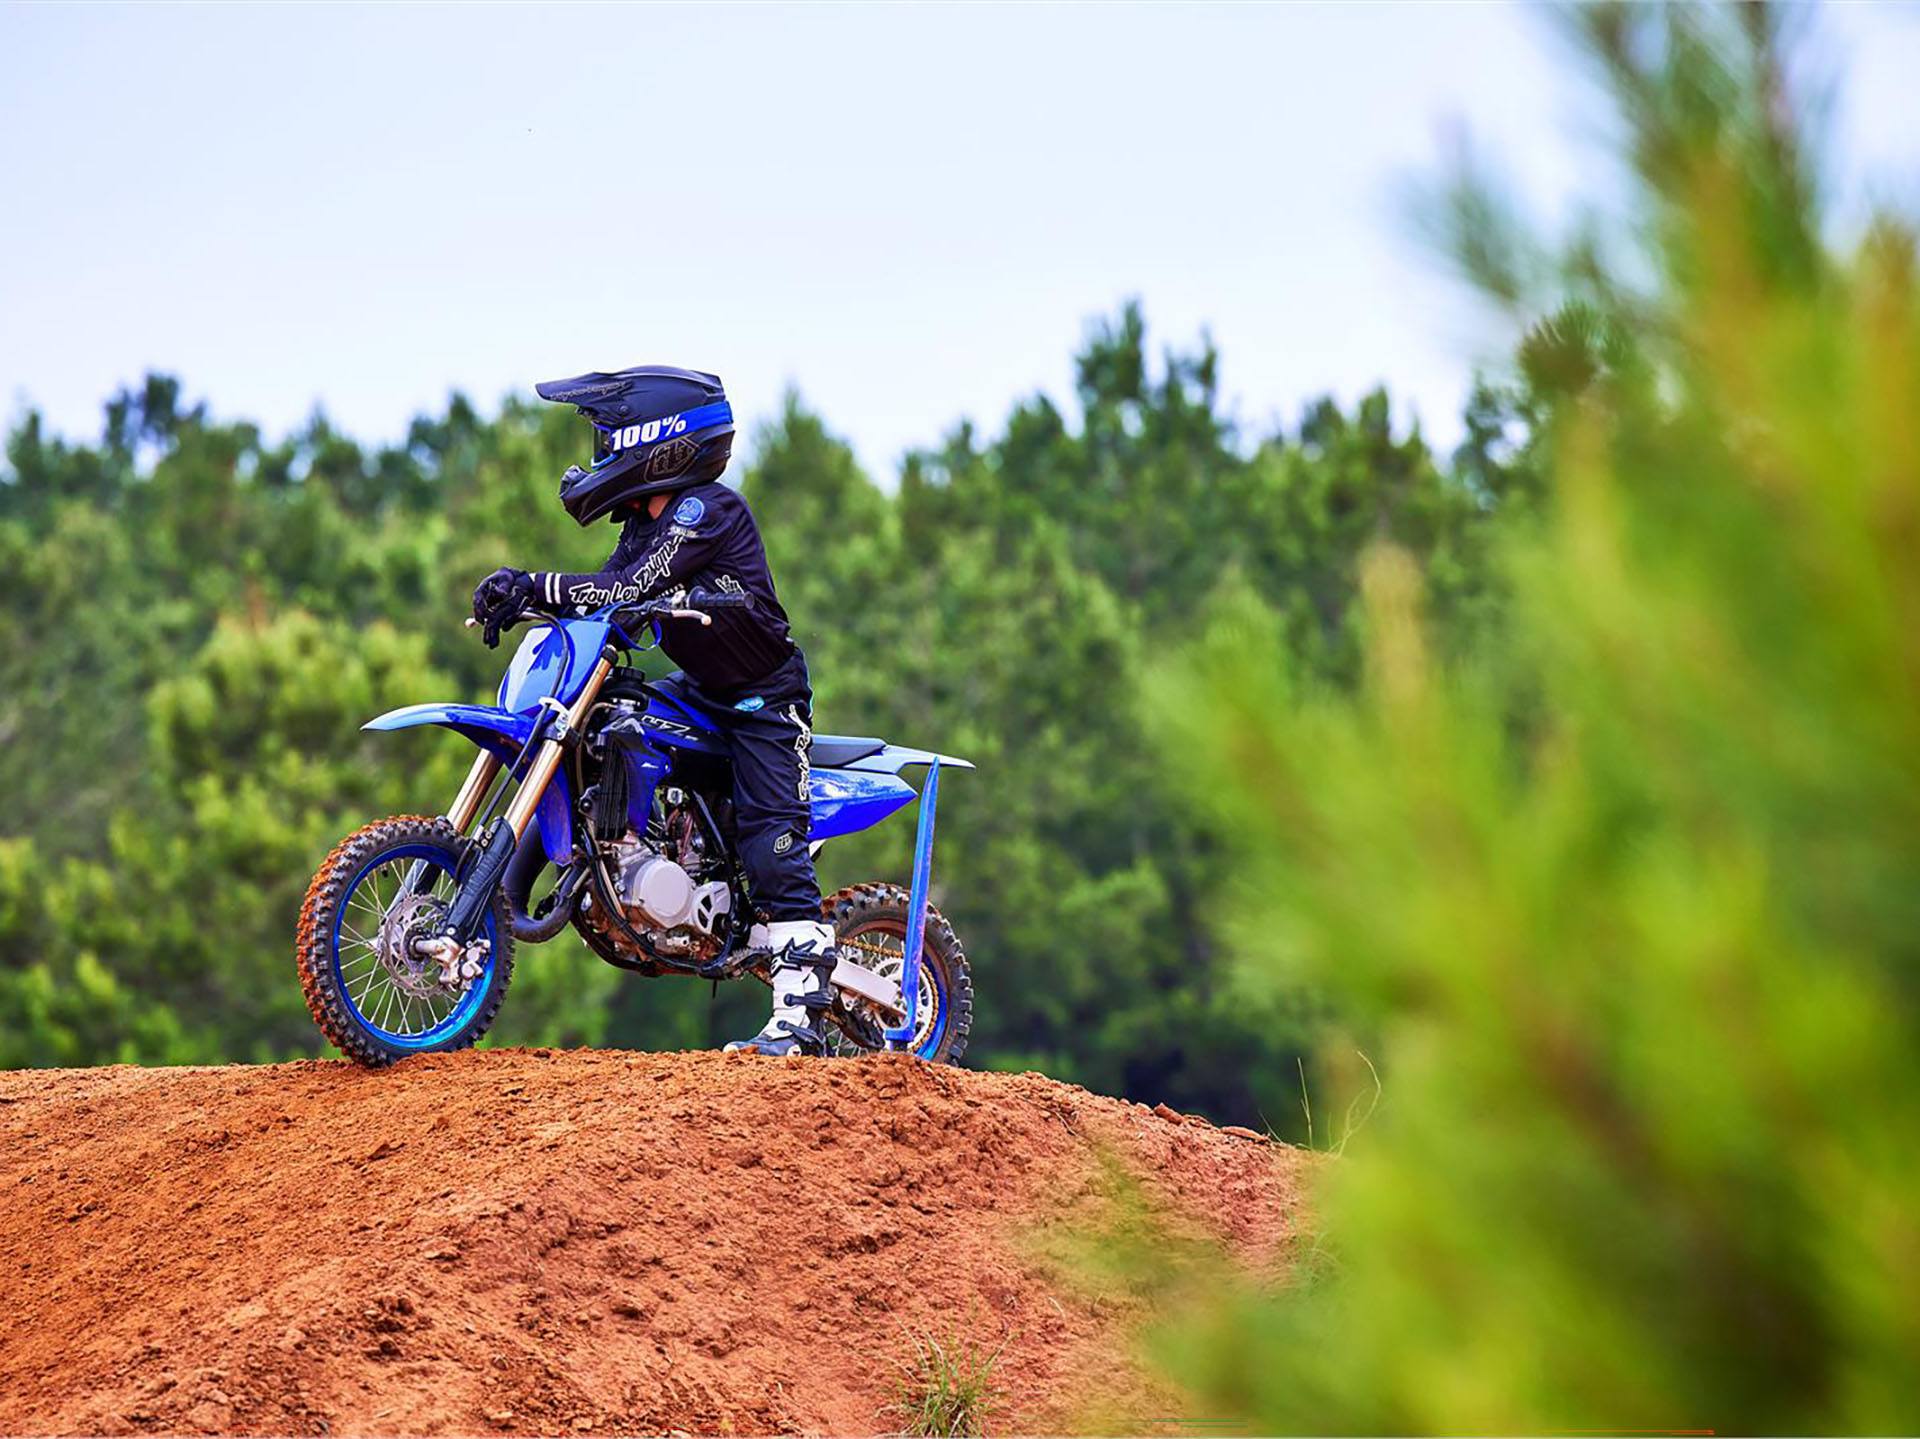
{"points": [[517, 1241]]}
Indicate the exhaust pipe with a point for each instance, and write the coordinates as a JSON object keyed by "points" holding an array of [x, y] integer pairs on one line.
{"points": [[529, 858]]}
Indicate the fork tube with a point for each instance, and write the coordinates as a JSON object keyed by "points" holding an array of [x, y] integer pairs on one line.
{"points": [[469, 907], [466, 804], [547, 759]]}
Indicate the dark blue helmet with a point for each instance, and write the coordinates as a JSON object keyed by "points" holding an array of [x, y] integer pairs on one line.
{"points": [[655, 428]]}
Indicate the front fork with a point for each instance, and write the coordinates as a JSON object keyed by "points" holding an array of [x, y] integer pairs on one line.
{"points": [[546, 759], [479, 780], [499, 840], [465, 806]]}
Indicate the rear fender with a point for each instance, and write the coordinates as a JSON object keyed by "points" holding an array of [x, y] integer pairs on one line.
{"points": [[894, 757], [504, 733], [857, 796]]}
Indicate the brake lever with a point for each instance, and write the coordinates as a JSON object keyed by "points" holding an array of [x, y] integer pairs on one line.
{"points": [[529, 612], [648, 613]]}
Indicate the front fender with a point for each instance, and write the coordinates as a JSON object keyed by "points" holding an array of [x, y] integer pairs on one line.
{"points": [[487, 726], [504, 733]]}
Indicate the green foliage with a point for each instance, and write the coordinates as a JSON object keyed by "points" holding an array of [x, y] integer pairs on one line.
{"points": [[1629, 901]]}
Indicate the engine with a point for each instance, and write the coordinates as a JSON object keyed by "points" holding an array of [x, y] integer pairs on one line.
{"points": [[656, 877], [657, 893]]}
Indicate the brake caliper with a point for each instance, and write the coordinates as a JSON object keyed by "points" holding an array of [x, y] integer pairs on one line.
{"points": [[459, 966]]}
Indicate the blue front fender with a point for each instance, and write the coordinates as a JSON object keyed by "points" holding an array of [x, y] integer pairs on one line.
{"points": [[504, 733]]}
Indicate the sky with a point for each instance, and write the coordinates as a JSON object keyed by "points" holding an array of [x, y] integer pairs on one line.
{"points": [[911, 214]]}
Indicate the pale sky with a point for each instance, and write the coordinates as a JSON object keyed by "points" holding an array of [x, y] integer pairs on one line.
{"points": [[910, 213]]}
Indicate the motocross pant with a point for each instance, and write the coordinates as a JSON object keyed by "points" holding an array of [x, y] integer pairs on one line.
{"points": [[768, 731]]}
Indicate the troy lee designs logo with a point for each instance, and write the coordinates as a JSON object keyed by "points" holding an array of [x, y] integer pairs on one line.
{"points": [[656, 567], [593, 596], [646, 434]]}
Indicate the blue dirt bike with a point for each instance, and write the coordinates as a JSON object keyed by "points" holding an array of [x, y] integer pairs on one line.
{"points": [[620, 810]]}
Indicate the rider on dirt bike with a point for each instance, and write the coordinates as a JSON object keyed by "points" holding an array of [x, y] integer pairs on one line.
{"points": [[663, 437]]}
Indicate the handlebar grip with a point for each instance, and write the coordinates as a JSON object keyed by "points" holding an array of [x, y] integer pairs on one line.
{"points": [[717, 600]]}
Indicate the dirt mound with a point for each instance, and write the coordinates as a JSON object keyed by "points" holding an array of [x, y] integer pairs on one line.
{"points": [[530, 1241]]}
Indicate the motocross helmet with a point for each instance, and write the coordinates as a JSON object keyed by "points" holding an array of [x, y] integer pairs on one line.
{"points": [[655, 428]]}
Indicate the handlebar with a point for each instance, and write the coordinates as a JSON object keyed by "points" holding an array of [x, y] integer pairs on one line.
{"points": [[697, 606]]}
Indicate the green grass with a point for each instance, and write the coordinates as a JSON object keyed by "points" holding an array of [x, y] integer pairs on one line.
{"points": [[945, 1389]]}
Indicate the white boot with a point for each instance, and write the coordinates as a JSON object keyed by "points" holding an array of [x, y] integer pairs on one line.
{"points": [[804, 954]]}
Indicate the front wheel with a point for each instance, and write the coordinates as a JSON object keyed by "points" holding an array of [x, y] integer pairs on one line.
{"points": [[384, 886], [870, 925]]}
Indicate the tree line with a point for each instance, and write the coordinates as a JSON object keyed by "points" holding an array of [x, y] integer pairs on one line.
{"points": [[201, 617]]}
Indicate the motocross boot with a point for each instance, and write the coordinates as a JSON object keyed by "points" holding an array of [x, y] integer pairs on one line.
{"points": [[804, 955]]}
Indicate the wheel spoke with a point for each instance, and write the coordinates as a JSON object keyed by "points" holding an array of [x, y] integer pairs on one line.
{"points": [[396, 1006]]}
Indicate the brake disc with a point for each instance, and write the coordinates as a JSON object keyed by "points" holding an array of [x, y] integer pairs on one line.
{"points": [[415, 917]]}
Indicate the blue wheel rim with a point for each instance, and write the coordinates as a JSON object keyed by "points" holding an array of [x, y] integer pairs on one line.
{"points": [[464, 1010]]}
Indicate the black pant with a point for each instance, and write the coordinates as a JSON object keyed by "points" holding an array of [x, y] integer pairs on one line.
{"points": [[768, 730]]}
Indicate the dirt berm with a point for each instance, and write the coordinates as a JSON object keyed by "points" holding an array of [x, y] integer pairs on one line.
{"points": [[535, 1241]]}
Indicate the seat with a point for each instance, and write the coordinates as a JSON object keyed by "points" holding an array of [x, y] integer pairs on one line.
{"points": [[829, 751]]}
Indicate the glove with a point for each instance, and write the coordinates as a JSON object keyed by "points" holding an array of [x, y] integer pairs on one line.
{"points": [[499, 599]]}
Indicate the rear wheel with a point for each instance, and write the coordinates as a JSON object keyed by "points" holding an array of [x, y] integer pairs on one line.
{"points": [[384, 886], [870, 923]]}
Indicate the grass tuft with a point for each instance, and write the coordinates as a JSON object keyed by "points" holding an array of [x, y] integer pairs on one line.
{"points": [[945, 1389]]}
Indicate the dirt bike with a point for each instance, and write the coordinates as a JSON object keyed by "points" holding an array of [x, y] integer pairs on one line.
{"points": [[612, 794]]}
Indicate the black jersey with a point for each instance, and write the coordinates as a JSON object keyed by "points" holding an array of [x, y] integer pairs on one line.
{"points": [[704, 539]]}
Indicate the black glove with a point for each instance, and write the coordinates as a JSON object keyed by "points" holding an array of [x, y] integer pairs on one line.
{"points": [[499, 599]]}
